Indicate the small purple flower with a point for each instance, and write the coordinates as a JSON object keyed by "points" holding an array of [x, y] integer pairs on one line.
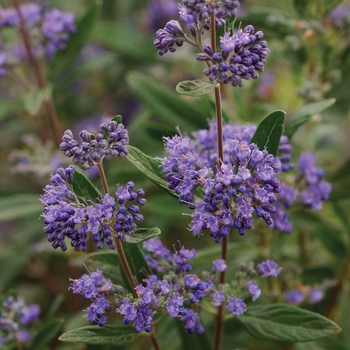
{"points": [[181, 259], [294, 297], [218, 298], [268, 268], [235, 306], [254, 290], [219, 265], [175, 305], [315, 296]]}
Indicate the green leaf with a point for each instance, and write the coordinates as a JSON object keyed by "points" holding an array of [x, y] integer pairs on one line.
{"points": [[63, 59], [118, 119], [46, 334], [34, 99], [19, 206], [137, 262], [269, 132], [108, 262], [191, 341], [151, 167], [286, 323], [304, 114], [84, 189], [167, 105], [116, 334], [143, 234], [195, 88]]}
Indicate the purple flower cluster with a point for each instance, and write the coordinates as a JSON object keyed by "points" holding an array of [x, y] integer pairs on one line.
{"points": [[95, 287], [15, 319], [172, 34], [179, 292], [54, 26], [317, 190], [243, 54], [192, 165], [68, 217], [244, 183], [31, 13], [110, 142]]}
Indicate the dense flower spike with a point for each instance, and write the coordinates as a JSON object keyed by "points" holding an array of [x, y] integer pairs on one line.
{"points": [[246, 183], [233, 188], [95, 287], [66, 216], [111, 142], [242, 56], [15, 320]]}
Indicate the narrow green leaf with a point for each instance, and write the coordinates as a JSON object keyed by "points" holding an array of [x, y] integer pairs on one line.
{"points": [[143, 234], [84, 189], [269, 132], [46, 334], [191, 341], [19, 206], [137, 262], [151, 167], [195, 88], [108, 262], [286, 323], [116, 334], [305, 113], [62, 60], [33, 100], [167, 105]]}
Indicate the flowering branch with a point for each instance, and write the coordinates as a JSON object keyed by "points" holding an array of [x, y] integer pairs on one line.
{"points": [[40, 77]]}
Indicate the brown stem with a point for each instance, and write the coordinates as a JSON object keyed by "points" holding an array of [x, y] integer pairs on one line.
{"points": [[103, 177], [219, 325], [39, 75], [118, 243], [154, 340]]}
